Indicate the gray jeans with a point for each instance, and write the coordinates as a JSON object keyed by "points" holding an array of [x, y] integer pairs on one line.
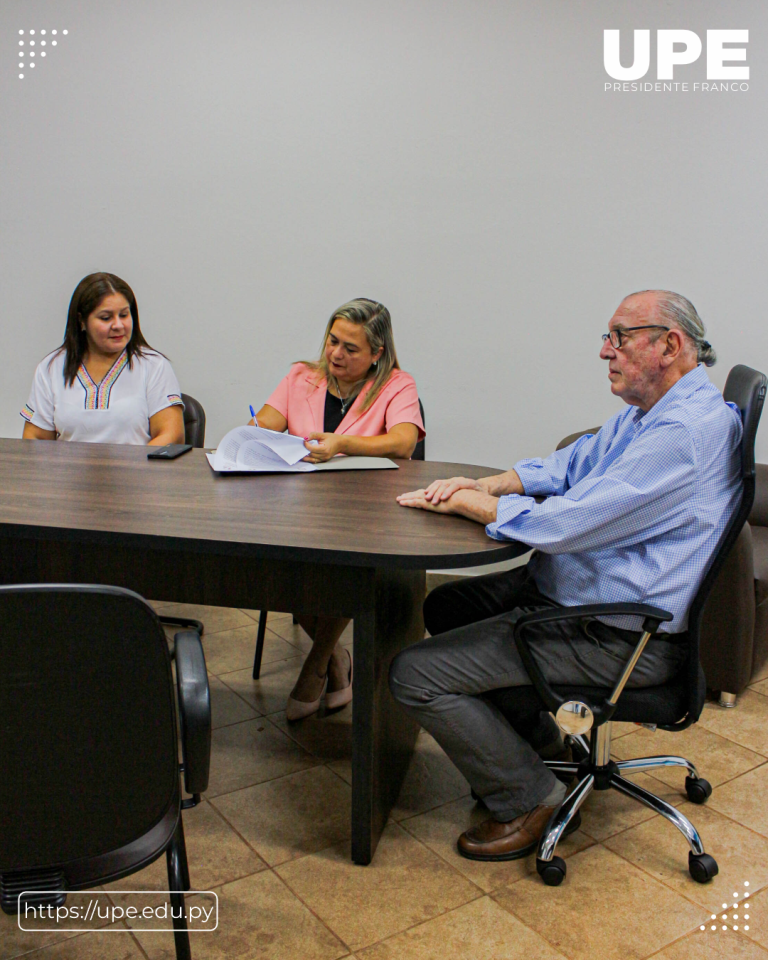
{"points": [[439, 681]]}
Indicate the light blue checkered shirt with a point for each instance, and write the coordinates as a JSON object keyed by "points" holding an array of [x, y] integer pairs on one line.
{"points": [[634, 511]]}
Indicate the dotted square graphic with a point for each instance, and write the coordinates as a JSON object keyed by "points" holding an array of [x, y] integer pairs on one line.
{"points": [[739, 917], [31, 39]]}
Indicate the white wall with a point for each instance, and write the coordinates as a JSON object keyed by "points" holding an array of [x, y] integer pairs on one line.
{"points": [[249, 165]]}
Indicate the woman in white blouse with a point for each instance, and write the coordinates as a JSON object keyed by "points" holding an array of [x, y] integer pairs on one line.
{"points": [[104, 384]]}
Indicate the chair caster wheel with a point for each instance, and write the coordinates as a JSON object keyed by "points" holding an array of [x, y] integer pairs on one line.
{"points": [[552, 872], [699, 791], [702, 867]]}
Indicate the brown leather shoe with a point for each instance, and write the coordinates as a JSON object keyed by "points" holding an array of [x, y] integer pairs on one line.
{"points": [[492, 840]]}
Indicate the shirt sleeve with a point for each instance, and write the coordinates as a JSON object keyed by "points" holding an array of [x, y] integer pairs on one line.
{"points": [[163, 388], [555, 474], [403, 407], [644, 493], [39, 409]]}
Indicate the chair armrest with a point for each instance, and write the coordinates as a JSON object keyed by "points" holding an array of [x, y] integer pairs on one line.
{"points": [[194, 710], [652, 617]]}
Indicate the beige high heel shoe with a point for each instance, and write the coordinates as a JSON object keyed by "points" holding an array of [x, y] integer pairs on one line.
{"points": [[299, 709], [340, 698]]}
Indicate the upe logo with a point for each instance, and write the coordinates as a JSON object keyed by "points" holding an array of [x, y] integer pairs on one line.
{"points": [[676, 48]]}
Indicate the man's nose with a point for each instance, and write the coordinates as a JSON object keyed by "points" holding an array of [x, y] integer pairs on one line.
{"points": [[607, 351]]}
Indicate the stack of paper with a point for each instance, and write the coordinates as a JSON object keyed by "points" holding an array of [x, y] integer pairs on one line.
{"points": [[256, 450]]}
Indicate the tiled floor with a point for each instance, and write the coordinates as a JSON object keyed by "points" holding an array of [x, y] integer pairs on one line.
{"points": [[272, 839]]}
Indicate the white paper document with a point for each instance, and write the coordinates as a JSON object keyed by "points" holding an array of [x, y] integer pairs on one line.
{"points": [[256, 450]]}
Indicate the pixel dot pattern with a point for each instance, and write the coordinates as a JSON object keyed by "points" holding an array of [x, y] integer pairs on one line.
{"points": [[31, 43], [742, 905]]}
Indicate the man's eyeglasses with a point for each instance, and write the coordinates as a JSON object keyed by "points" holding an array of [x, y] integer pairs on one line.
{"points": [[615, 335]]}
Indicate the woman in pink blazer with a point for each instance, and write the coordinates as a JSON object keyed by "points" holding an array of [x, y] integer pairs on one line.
{"points": [[353, 400]]}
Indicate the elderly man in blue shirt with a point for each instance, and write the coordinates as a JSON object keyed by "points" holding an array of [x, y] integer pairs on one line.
{"points": [[632, 513]]}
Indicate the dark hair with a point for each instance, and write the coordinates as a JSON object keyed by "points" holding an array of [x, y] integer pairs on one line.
{"points": [[87, 296]]}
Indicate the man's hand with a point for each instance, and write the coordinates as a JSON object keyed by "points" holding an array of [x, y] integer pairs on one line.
{"points": [[444, 489], [419, 499], [474, 504], [327, 446]]}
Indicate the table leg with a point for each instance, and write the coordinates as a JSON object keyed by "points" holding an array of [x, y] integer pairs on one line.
{"points": [[383, 736]]}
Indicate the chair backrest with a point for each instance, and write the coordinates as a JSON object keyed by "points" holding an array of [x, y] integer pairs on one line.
{"points": [[419, 451], [194, 421], [88, 741], [745, 388]]}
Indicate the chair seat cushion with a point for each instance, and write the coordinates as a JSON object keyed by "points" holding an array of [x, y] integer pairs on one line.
{"points": [[660, 705], [760, 554]]}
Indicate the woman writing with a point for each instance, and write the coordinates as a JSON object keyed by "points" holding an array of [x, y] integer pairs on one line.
{"points": [[104, 384], [353, 400]]}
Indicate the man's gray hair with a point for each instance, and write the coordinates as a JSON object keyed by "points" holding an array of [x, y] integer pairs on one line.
{"points": [[678, 311]]}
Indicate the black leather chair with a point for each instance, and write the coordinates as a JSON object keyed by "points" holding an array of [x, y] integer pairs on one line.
{"points": [[419, 453], [194, 421], [194, 434], [90, 790], [672, 706]]}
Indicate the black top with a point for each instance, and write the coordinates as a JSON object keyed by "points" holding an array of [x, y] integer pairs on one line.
{"points": [[333, 413]]}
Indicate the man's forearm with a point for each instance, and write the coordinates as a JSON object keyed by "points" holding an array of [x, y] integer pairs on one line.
{"points": [[477, 506], [502, 484]]}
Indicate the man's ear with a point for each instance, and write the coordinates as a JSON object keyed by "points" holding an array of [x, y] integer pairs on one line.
{"points": [[673, 347]]}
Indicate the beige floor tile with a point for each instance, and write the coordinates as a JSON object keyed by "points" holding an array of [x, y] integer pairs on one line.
{"points": [[715, 758], [660, 849], [292, 816], [621, 729], [292, 633], [746, 724], [608, 812], [214, 618], [744, 799], [606, 909], [270, 692], [230, 650], [15, 942], [216, 855], [440, 828], [104, 945], [431, 780], [226, 706], [758, 918], [480, 930], [404, 885], [327, 736], [259, 919], [761, 687], [272, 615], [252, 752], [713, 945]]}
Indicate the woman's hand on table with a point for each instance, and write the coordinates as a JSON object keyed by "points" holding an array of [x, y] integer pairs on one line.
{"points": [[323, 446]]}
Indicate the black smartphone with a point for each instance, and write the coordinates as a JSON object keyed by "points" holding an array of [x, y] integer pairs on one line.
{"points": [[169, 452]]}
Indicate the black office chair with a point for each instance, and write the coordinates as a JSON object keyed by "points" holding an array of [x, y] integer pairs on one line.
{"points": [[90, 788], [194, 421], [419, 453], [672, 706], [194, 434]]}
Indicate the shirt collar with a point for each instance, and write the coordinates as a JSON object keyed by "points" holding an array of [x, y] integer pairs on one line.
{"points": [[686, 386]]}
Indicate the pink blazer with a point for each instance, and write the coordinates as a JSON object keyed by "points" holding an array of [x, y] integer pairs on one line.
{"points": [[300, 397]]}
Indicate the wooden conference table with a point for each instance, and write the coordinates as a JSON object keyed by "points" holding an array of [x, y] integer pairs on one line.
{"points": [[333, 543]]}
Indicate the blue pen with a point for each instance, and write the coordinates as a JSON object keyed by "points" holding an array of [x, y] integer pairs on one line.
{"points": [[253, 412]]}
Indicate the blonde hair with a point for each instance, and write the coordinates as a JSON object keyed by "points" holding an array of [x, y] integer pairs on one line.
{"points": [[376, 322]]}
